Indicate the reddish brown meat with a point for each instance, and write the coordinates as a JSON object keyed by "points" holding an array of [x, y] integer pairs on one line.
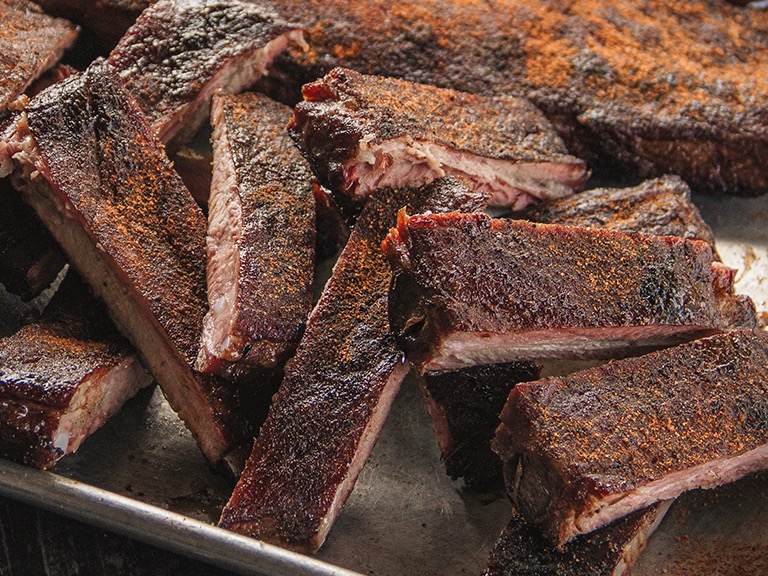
{"points": [[600, 69], [585, 449], [361, 133], [180, 51], [195, 169], [522, 550], [62, 378], [94, 172], [30, 43], [472, 290], [261, 239], [337, 389]]}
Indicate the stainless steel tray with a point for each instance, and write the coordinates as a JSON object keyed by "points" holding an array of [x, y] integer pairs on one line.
{"points": [[142, 475]]}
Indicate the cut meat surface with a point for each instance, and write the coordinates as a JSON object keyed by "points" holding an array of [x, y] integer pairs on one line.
{"points": [[93, 170], [585, 449], [473, 290], [599, 70], [180, 51], [62, 378], [30, 43], [261, 239], [30, 259], [522, 550], [464, 406], [337, 389], [361, 133], [661, 206]]}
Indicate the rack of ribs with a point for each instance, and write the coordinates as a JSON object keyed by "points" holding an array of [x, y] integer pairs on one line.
{"points": [[180, 51], [361, 133], [337, 389], [583, 450], [261, 239], [90, 165], [62, 377], [474, 290]]}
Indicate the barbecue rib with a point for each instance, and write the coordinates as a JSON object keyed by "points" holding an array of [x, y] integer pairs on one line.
{"points": [[472, 290], [361, 133], [62, 378], [600, 70], [522, 550], [337, 389], [30, 259], [464, 406], [261, 239], [90, 166], [660, 206], [180, 51], [30, 43], [585, 449]]}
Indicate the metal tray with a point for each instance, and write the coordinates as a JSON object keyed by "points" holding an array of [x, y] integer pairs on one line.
{"points": [[142, 475]]}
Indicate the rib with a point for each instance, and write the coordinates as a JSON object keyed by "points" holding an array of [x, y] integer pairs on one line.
{"points": [[522, 550], [599, 70], [472, 290], [261, 239], [30, 42], [583, 450], [661, 206], [30, 260], [361, 133], [337, 389], [62, 378], [89, 164], [180, 51]]}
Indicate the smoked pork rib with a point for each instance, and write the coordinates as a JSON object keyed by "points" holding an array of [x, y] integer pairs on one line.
{"points": [[95, 173], [585, 449], [473, 290], [660, 206], [464, 406], [522, 550], [30, 43], [30, 259], [599, 70], [361, 133], [180, 51], [261, 239], [63, 377], [337, 389]]}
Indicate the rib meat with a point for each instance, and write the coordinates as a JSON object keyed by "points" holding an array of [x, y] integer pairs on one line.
{"points": [[472, 290], [585, 449], [62, 378], [261, 239], [464, 406], [180, 51], [93, 170], [30, 43], [522, 550], [600, 70], [361, 133], [337, 389], [660, 206]]}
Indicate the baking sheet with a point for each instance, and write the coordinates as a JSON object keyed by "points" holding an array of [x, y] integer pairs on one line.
{"points": [[142, 475]]}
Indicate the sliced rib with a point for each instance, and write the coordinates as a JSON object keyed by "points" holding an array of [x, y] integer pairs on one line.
{"points": [[180, 51], [337, 389], [361, 133], [62, 378], [522, 550], [472, 290], [93, 170], [585, 449], [261, 239]]}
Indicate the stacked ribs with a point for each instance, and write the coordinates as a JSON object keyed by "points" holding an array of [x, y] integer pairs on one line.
{"points": [[212, 290]]}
